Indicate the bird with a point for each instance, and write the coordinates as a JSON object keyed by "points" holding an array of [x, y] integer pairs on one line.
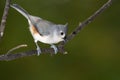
{"points": [[43, 30]]}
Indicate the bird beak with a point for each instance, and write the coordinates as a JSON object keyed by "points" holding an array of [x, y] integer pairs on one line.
{"points": [[64, 39]]}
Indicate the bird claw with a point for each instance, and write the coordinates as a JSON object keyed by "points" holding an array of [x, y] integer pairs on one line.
{"points": [[38, 48], [55, 48], [38, 51]]}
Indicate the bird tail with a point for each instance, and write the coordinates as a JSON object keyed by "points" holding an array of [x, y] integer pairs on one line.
{"points": [[20, 10]]}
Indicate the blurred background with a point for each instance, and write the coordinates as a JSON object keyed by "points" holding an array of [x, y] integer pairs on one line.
{"points": [[94, 54]]}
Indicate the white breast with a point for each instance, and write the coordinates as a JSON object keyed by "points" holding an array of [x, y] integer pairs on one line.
{"points": [[46, 39]]}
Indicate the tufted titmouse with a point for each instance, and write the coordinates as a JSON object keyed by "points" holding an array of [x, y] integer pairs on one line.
{"points": [[43, 30]]}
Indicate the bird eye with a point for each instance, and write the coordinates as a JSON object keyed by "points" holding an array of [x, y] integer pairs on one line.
{"points": [[62, 33]]}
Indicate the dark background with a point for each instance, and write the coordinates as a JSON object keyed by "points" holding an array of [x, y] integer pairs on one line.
{"points": [[94, 54]]}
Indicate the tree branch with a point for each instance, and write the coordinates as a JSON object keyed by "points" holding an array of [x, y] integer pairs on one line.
{"points": [[8, 57], [89, 20], [11, 56], [4, 17]]}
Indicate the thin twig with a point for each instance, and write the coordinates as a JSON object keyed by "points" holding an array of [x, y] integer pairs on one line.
{"points": [[17, 47], [8, 57], [4, 17]]}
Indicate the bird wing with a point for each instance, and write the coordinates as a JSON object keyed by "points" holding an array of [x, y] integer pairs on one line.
{"points": [[43, 27]]}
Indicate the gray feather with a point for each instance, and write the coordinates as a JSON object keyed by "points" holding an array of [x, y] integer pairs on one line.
{"points": [[44, 27], [20, 10]]}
